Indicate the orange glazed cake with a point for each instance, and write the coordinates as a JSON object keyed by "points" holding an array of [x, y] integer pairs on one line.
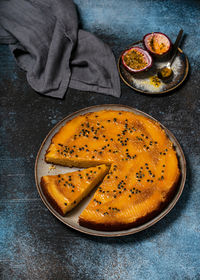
{"points": [[143, 165], [65, 191]]}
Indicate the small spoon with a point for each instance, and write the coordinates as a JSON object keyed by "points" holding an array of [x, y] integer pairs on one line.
{"points": [[166, 72]]}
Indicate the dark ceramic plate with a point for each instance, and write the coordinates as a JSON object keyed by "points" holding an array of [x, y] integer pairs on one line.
{"points": [[147, 81], [71, 219]]}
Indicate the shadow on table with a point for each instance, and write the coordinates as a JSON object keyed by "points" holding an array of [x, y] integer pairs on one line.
{"points": [[159, 227]]}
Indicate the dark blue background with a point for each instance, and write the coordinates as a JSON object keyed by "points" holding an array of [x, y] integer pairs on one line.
{"points": [[33, 243]]}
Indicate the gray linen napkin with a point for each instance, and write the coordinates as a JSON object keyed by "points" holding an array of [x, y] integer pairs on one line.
{"points": [[45, 40]]}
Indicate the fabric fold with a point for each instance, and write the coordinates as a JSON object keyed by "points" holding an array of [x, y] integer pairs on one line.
{"points": [[46, 42]]}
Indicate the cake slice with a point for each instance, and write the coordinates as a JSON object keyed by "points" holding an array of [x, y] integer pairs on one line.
{"points": [[65, 191]]}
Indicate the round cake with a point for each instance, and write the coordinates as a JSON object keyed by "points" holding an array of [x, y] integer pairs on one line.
{"points": [[143, 166]]}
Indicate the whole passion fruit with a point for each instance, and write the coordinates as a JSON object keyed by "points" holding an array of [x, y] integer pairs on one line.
{"points": [[157, 43], [136, 59]]}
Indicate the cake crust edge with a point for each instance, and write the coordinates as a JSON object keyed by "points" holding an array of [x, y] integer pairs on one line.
{"points": [[49, 198]]}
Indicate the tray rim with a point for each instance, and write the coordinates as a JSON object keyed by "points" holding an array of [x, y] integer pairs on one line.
{"points": [[132, 230], [146, 92]]}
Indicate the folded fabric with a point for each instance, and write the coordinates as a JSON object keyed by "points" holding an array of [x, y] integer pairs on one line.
{"points": [[45, 40]]}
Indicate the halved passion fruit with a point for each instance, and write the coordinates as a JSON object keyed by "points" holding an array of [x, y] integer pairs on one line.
{"points": [[157, 43], [136, 59]]}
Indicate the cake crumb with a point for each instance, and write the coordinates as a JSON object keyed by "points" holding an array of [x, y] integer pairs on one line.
{"points": [[52, 167]]}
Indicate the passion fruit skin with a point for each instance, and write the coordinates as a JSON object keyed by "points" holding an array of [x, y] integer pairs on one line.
{"points": [[154, 53], [148, 59]]}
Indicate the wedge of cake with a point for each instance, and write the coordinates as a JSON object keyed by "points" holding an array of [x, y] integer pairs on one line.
{"points": [[65, 191], [143, 164]]}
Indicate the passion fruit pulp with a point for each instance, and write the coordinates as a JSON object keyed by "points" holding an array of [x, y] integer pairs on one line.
{"points": [[157, 43], [136, 59]]}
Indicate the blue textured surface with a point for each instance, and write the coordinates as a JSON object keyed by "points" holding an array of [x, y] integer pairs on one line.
{"points": [[33, 243]]}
